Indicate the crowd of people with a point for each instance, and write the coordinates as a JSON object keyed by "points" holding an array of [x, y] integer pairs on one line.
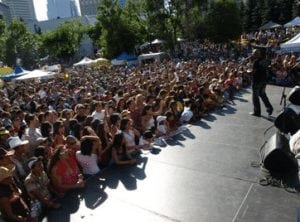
{"points": [[56, 133]]}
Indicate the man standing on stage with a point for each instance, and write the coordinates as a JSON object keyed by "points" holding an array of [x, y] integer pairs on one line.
{"points": [[259, 82]]}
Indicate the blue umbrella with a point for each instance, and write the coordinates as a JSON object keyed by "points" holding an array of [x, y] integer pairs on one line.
{"points": [[18, 71]]}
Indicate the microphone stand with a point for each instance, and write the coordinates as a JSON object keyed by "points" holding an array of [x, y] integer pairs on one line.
{"points": [[283, 98]]}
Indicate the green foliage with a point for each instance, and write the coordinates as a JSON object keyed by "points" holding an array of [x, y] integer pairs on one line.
{"points": [[94, 32], [223, 21], [20, 43], [121, 29], [193, 24], [258, 13], [63, 42], [2, 40], [296, 8]]}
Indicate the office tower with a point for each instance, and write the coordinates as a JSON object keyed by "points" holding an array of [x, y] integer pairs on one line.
{"points": [[22, 9], [62, 9], [4, 12], [89, 7]]}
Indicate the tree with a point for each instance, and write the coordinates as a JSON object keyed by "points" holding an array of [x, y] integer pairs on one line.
{"points": [[248, 21], [296, 8], [2, 39], [63, 42], [20, 43], [121, 29], [223, 21], [193, 24], [165, 19]]}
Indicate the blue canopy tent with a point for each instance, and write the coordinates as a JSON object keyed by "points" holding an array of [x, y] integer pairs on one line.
{"points": [[124, 58], [18, 71]]}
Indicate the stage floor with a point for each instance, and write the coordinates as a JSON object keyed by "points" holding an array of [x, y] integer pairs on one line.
{"points": [[203, 175]]}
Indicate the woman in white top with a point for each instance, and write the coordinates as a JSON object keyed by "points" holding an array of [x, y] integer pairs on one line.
{"points": [[99, 112], [130, 135], [89, 155]]}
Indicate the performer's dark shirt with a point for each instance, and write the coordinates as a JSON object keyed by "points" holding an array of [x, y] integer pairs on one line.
{"points": [[260, 74]]}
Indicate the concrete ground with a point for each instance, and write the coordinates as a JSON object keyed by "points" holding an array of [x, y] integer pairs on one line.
{"points": [[203, 175]]}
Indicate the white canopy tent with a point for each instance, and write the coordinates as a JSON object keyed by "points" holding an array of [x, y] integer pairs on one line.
{"points": [[145, 45], [84, 62], [270, 25], [157, 41], [294, 22], [158, 56], [36, 74], [293, 45]]}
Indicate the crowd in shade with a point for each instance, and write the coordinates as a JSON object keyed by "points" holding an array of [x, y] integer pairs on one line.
{"points": [[57, 133]]}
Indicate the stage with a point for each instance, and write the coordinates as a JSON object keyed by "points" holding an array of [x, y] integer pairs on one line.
{"points": [[206, 174]]}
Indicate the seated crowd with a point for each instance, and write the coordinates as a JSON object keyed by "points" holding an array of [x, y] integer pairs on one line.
{"points": [[56, 134]]}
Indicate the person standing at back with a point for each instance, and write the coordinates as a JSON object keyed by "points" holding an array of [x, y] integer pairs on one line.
{"points": [[259, 82]]}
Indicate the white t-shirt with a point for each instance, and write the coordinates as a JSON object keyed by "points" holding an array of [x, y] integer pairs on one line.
{"points": [[186, 115], [162, 129], [129, 138], [98, 115], [88, 163]]}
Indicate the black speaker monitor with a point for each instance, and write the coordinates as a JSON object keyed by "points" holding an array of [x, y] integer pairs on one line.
{"points": [[276, 156]]}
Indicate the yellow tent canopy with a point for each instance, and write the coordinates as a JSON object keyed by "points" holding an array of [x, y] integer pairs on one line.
{"points": [[5, 70]]}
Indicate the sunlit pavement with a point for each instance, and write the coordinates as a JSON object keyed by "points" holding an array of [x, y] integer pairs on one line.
{"points": [[205, 174]]}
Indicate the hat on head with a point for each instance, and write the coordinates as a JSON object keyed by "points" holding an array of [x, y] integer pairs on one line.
{"points": [[125, 113], [160, 118], [3, 131], [32, 161], [41, 140], [71, 139], [5, 173], [4, 152], [16, 141]]}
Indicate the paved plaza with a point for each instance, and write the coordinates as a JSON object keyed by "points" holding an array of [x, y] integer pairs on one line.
{"points": [[205, 175]]}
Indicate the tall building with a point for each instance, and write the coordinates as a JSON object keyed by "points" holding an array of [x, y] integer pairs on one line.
{"points": [[23, 9], [4, 12], [62, 9], [89, 7], [75, 11]]}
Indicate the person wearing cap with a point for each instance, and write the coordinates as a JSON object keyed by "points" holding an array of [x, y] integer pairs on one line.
{"points": [[12, 206], [125, 114], [4, 135], [259, 82], [5, 158], [37, 184], [19, 158]]}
